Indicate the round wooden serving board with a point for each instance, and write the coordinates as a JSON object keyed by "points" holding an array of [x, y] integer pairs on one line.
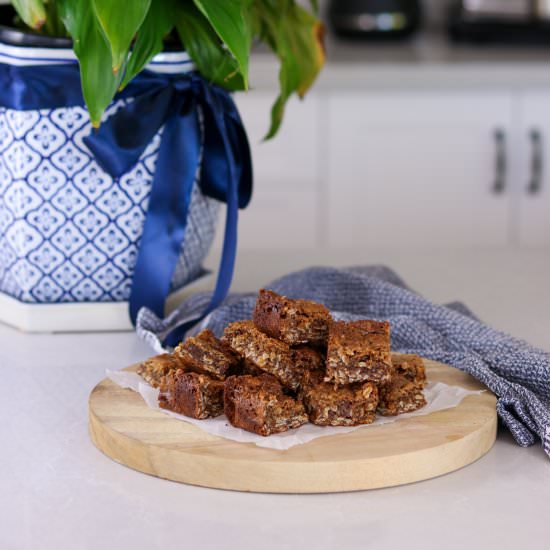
{"points": [[411, 449]]}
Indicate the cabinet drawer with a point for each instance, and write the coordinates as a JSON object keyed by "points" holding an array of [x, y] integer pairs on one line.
{"points": [[419, 169], [533, 181]]}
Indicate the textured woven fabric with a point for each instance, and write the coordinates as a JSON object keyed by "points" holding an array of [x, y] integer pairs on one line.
{"points": [[518, 373]]}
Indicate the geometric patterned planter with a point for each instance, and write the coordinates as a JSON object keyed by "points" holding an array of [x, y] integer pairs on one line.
{"points": [[69, 232]]}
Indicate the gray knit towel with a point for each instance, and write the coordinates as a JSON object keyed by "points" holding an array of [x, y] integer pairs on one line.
{"points": [[515, 371]]}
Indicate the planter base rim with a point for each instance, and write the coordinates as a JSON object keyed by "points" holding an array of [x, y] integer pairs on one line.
{"points": [[84, 316]]}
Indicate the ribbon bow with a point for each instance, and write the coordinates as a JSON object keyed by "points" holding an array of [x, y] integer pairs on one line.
{"points": [[187, 107]]}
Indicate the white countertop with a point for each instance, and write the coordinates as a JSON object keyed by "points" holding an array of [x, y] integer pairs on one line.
{"points": [[58, 491]]}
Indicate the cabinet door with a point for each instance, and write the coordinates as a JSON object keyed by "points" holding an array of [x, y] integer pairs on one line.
{"points": [[419, 169], [533, 181], [284, 212]]}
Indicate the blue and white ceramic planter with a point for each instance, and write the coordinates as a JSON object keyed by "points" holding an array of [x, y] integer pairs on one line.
{"points": [[96, 225], [69, 232]]}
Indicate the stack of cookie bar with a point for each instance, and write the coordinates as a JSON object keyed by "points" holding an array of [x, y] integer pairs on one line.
{"points": [[289, 365]]}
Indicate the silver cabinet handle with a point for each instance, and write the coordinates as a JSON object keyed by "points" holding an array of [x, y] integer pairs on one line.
{"points": [[499, 185], [537, 162]]}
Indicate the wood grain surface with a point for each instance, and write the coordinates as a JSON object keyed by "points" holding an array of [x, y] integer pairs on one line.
{"points": [[409, 450]]}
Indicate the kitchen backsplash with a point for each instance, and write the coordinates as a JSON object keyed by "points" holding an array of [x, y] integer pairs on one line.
{"points": [[434, 10]]}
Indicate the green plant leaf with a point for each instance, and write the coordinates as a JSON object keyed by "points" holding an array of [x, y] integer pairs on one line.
{"points": [[296, 37], [214, 61], [99, 84], [229, 20], [157, 24], [120, 21], [32, 12]]}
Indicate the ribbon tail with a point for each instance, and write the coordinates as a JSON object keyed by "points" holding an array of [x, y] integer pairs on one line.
{"points": [[167, 214], [230, 141], [239, 171], [220, 162], [241, 152]]}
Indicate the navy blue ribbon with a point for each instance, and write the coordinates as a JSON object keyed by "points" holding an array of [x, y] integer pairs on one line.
{"points": [[177, 103]]}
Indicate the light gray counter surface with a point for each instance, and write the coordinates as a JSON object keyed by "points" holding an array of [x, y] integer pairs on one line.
{"points": [[58, 491]]}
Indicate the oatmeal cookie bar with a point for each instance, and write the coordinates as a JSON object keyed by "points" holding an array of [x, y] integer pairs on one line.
{"points": [[257, 404], [400, 396], [192, 394], [206, 354], [248, 367], [270, 355], [359, 351], [308, 358], [154, 369], [328, 405], [410, 366], [292, 321]]}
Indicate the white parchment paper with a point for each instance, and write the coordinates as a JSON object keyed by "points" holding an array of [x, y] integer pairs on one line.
{"points": [[438, 395]]}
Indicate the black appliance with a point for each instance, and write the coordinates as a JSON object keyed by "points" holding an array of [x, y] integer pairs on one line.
{"points": [[374, 19], [500, 21]]}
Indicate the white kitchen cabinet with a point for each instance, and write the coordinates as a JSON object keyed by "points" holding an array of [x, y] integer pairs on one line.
{"points": [[284, 212], [419, 169], [414, 168], [289, 161], [532, 215]]}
